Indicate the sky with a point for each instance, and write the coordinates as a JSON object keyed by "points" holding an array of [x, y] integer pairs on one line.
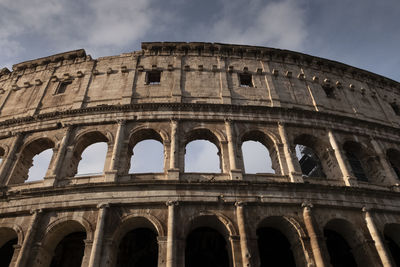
{"points": [[360, 33]]}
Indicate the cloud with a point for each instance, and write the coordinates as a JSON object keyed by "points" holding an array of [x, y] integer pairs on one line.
{"points": [[280, 24]]}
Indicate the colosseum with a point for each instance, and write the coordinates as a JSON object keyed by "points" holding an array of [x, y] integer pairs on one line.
{"points": [[331, 132]]}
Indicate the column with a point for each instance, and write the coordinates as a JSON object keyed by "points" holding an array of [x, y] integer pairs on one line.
{"points": [[315, 238], [236, 250], [173, 172], [111, 174], [95, 254], [387, 168], [243, 235], [50, 179], [10, 159], [295, 177], [26, 245], [379, 243], [236, 174], [348, 178], [171, 234]]}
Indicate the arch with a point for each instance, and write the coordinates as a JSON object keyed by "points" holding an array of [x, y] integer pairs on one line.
{"points": [[362, 161], [82, 141], [141, 134], [8, 238], [138, 220], [393, 155], [291, 229], [207, 135], [211, 219], [309, 151], [25, 159], [267, 140], [11, 231], [205, 246], [342, 238], [391, 233]]}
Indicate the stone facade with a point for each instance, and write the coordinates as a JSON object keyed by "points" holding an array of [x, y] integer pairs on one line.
{"points": [[179, 92]]}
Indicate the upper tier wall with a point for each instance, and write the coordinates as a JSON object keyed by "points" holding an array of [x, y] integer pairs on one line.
{"points": [[197, 73]]}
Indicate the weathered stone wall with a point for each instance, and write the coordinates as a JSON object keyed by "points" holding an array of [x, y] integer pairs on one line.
{"points": [[291, 99]]}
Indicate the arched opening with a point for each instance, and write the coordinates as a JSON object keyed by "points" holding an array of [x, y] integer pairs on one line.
{"points": [[138, 248], [343, 242], [256, 158], [206, 247], [93, 158], [69, 251], [202, 152], [259, 153], [391, 234], [202, 156], [309, 162], [309, 151], [8, 238], [340, 252], [145, 152], [274, 248], [394, 159], [40, 165], [147, 156], [26, 160], [354, 156]]}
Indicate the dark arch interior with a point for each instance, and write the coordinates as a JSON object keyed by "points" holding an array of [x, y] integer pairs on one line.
{"points": [[69, 251], [6, 252], [274, 248], [309, 162], [138, 248], [356, 166], [206, 247], [339, 250], [394, 249], [394, 159]]}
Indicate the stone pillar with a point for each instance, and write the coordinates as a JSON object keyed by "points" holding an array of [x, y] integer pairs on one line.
{"points": [[378, 241], [95, 254], [162, 247], [387, 168], [10, 159], [295, 177], [173, 172], [171, 235], [236, 174], [111, 173], [236, 250], [246, 256], [50, 179], [348, 178], [315, 239], [26, 245]]}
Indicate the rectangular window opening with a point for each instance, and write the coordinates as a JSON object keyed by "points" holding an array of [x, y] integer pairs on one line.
{"points": [[153, 77], [245, 80], [62, 87]]}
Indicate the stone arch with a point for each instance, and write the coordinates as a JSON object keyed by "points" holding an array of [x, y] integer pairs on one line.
{"points": [[268, 140], [393, 156], [216, 222], [362, 161], [316, 154], [84, 139], [136, 220], [143, 133], [353, 236], [10, 235], [295, 234], [7, 231], [59, 229], [25, 158], [200, 133]]}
